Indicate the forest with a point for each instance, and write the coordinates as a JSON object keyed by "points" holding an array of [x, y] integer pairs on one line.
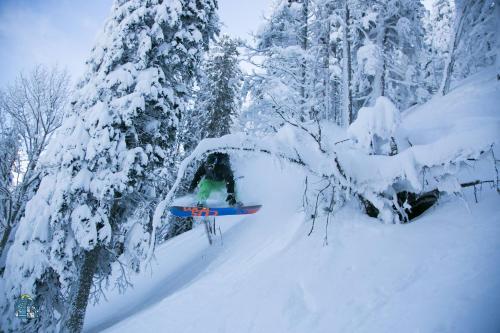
{"points": [[336, 115]]}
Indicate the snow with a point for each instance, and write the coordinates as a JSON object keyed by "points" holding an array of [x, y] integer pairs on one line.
{"points": [[437, 274], [83, 227], [369, 56], [379, 121], [434, 275]]}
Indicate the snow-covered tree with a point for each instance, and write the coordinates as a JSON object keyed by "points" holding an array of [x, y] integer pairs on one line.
{"points": [[473, 40], [111, 158], [9, 146], [354, 52], [333, 35], [496, 18], [217, 103], [280, 85], [320, 31], [31, 108], [439, 28], [389, 51], [324, 51], [218, 99]]}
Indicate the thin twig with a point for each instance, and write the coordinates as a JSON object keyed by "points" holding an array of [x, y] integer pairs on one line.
{"points": [[316, 207]]}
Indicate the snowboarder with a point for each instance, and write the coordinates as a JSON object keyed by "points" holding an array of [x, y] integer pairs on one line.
{"points": [[212, 176]]}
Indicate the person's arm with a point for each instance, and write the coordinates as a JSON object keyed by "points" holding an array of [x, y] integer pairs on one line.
{"points": [[197, 177]]}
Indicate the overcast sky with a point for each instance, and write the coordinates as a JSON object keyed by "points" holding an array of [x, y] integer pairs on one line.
{"points": [[63, 31]]}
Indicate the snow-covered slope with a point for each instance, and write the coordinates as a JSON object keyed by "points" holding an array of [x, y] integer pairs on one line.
{"points": [[438, 274]]}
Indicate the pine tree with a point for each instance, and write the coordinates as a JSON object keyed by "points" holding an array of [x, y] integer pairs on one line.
{"points": [[281, 86], [390, 47], [473, 41], [347, 116], [331, 57], [217, 103], [321, 38], [113, 155], [439, 30], [324, 59], [496, 18], [219, 95]]}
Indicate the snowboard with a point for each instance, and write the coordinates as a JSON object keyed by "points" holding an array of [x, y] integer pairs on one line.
{"points": [[183, 211]]}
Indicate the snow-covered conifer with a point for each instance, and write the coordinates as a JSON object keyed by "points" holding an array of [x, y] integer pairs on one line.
{"points": [[473, 41], [281, 83], [112, 155], [216, 105], [218, 99], [389, 52], [439, 28]]}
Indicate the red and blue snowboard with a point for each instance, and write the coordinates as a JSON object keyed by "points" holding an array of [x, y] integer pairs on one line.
{"points": [[213, 211]]}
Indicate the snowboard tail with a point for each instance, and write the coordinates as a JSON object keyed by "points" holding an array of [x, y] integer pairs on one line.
{"points": [[213, 211]]}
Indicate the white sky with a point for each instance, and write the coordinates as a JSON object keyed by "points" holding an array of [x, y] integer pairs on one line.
{"points": [[63, 31]]}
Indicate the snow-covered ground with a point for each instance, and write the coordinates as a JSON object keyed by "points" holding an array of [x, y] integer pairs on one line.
{"points": [[438, 274]]}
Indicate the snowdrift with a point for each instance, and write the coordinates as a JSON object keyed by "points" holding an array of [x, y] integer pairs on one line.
{"points": [[438, 274]]}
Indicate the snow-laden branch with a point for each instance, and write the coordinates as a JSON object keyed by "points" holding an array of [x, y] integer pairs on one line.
{"points": [[346, 170], [226, 144]]}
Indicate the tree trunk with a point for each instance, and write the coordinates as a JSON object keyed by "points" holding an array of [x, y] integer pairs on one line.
{"points": [[5, 237], [3, 247], [384, 64], [80, 300], [304, 33], [496, 17], [346, 64], [379, 81], [334, 98], [325, 41], [448, 71]]}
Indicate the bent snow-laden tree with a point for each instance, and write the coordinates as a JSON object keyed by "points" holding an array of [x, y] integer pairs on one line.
{"points": [[336, 174], [109, 161]]}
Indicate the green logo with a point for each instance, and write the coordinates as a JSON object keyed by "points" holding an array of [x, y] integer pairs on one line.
{"points": [[25, 307]]}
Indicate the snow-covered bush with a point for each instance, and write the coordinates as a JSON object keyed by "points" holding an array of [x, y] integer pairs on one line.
{"points": [[375, 127]]}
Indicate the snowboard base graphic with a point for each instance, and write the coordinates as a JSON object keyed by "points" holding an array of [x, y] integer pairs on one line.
{"points": [[181, 211]]}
